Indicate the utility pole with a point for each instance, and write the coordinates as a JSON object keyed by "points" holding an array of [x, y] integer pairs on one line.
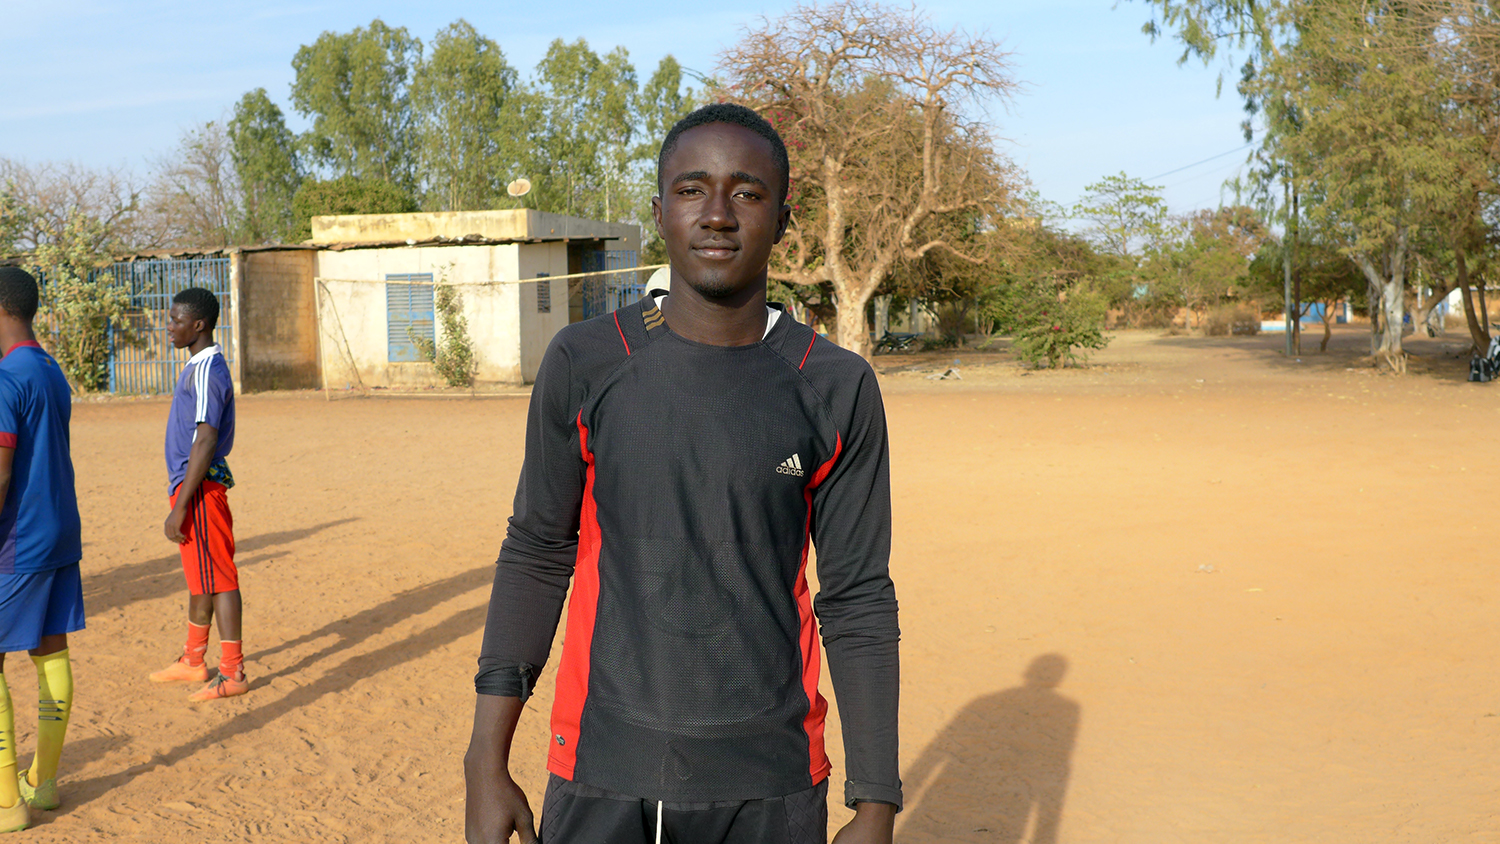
{"points": [[1286, 266], [1296, 276]]}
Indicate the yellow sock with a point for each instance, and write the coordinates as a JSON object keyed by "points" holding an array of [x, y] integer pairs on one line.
{"points": [[10, 793], [54, 679]]}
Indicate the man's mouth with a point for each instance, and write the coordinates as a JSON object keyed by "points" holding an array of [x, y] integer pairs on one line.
{"points": [[716, 250]]}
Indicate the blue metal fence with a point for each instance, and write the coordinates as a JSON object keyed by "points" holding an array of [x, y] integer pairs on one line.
{"points": [[606, 293], [141, 357], [150, 364]]}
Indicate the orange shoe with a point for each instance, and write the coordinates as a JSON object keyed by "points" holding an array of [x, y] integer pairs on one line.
{"points": [[181, 672], [222, 686]]}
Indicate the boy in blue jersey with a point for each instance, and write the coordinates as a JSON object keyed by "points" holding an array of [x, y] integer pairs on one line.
{"points": [[41, 594], [200, 434]]}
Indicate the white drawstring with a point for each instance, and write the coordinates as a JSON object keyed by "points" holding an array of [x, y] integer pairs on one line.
{"points": [[658, 822]]}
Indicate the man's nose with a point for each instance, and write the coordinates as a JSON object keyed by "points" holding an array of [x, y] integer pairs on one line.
{"points": [[719, 213]]}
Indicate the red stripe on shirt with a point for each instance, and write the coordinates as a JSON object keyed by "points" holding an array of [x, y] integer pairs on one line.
{"points": [[622, 333], [817, 710], [573, 669], [29, 344], [809, 350], [7, 440]]}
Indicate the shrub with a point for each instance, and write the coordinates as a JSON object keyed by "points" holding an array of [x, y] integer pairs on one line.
{"points": [[79, 303], [1051, 326], [1231, 319], [454, 357]]}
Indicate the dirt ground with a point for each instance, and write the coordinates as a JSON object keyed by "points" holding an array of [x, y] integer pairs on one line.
{"points": [[1196, 592]]}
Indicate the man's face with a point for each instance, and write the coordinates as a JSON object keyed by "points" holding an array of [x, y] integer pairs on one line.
{"points": [[719, 211], [181, 327]]}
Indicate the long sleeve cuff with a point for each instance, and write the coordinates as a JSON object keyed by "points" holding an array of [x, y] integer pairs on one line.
{"points": [[505, 680], [868, 792]]}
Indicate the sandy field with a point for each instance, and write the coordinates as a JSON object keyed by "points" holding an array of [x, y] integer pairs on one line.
{"points": [[1196, 592]]}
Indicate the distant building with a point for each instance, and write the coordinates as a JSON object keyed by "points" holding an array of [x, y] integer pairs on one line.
{"points": [[344, 308], [375, 277]]}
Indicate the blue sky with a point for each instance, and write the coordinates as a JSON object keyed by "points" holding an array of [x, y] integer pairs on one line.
{"points": [[115, 83]]}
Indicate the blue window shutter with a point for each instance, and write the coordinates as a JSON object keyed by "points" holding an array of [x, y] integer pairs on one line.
{"points": [[408, 311]]}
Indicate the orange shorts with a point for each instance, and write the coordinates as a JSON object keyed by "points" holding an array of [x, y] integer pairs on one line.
{"points": [[208, 554]]}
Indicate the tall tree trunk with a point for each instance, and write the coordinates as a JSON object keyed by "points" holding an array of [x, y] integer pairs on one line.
{"points": [[1478, 328], [851, 332], [1425, 312], [1386, 305]]}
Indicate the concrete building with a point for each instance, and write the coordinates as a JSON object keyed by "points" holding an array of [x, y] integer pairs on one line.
{"points": [[375, 288], [350, 306]]}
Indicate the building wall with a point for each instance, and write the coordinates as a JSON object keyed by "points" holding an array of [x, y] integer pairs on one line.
{"points": [[507, 335], [277, 320], [537, 329]]}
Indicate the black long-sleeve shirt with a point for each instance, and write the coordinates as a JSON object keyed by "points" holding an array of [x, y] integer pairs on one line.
{"points": [[679, 485]]}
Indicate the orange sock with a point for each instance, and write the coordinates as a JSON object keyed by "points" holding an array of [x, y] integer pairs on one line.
{"points": [[231, 660], [197, 643]]}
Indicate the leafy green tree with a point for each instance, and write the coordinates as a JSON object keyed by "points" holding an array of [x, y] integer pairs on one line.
{"points": [[79, 302], [1049, 296], [1328, 278], [264, 154], [662, 101], [581, 114], [465, 123], [355, 88], [1371, 146], [347, 195], [1208, 262], [1125, 214]]}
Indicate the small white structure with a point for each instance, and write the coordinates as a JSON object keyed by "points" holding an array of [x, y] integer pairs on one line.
{"points": [[376, 277]]}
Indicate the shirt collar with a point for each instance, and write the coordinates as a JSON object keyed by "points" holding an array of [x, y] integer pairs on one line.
{"points": [[205, 354], [31, 344]]}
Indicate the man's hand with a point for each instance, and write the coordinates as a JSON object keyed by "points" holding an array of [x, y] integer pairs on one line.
{"points": [[494, 805], [873, 823], [172, 527]]}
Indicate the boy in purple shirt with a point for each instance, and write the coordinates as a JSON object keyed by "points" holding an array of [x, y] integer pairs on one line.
{"points": [[41, 594], [200, 434]]}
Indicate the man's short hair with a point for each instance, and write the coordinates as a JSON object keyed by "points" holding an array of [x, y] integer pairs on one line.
{"points": [[18, 292], [735, 115], [200, 304]]}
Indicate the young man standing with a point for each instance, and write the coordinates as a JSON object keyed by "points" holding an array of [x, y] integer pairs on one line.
{"points": [[41, 593], [681, 455], [200, 434]]}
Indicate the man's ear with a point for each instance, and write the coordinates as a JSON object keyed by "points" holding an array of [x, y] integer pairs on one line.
{"points": [[783, 220], [656, 214]]}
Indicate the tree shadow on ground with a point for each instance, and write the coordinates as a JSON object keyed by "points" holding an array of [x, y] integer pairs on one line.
{"points": [[162, 577], [350, 632], [999, 771]]}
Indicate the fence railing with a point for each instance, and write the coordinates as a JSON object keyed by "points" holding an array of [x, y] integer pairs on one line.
{"points": [[141, 357]]}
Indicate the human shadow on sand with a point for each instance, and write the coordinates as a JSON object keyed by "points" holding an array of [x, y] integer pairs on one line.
{"points": [[348, 633], [147, 580], [999, 771]]}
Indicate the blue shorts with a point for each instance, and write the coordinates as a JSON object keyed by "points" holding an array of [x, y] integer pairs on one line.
{"points": [[37, 604]]}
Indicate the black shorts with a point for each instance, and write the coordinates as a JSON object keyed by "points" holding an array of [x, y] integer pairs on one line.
{"points": [[573, 813]]}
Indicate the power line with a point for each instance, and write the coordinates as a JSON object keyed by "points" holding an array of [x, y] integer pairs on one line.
{"points": [[1196, 163]]}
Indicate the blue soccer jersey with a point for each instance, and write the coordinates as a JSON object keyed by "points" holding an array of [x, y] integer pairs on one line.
{"points": [[205, 393], [39, 521]]}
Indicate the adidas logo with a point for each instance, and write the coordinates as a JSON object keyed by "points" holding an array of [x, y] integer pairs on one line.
{"points": [[791, 466]]}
